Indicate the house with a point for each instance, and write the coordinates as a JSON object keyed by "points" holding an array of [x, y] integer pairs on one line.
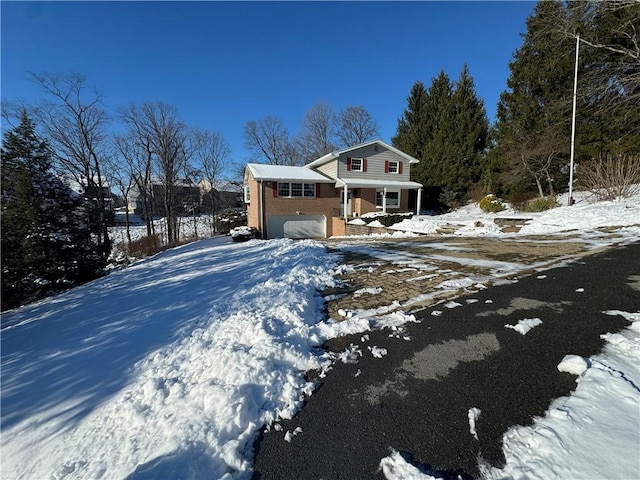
{"points": [[221, 199], [186, 197], [317, 200]]}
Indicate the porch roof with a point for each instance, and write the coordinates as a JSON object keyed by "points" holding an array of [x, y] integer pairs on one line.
{"points": [[366, 183]]}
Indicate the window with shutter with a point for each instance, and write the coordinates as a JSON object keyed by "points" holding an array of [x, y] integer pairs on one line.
{"points": [[356, 164]]}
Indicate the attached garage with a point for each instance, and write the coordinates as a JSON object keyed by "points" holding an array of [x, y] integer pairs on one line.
{"points": [[297, 226]]}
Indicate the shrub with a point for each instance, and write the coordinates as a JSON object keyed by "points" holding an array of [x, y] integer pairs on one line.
{"points": [[144, 247], [491, 204], [477, 192], [519, 200], [541, 204], [612, 177], [393, 218]]}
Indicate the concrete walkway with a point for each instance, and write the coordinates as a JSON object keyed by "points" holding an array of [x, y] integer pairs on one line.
{"points": [[415, 399]]}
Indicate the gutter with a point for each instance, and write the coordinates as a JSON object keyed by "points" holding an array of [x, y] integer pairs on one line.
{"points": [[261, 210]]}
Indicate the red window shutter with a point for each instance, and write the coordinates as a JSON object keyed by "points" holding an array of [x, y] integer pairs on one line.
{"points": [[318, 190], [386, 166], [364, 164], [275, 189], [400, 167], [348, 164]]}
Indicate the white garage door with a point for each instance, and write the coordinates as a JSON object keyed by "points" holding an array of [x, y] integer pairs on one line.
{"points": [[297, 226]]}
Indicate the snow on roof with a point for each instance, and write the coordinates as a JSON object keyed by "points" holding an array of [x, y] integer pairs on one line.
{"points": [[285, 172], [333, 155]]}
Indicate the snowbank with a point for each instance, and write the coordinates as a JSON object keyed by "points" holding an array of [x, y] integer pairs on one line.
{"points": [[587, 434], [165, 369]]}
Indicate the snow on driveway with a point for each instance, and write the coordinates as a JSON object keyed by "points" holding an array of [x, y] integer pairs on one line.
{"points": [[166, 368]]}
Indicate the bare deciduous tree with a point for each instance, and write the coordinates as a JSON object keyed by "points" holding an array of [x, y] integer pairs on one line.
{"points": [[211, 153], [131, 170], [268, 140], [135, 149], [75, 126], [355, 125], [316, 136], [158, 127]]}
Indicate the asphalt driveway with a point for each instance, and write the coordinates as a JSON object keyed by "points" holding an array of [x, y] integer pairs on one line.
{"points": [[415, 398]]}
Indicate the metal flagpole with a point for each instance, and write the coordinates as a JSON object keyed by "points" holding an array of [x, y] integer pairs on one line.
{"points": [[573, 123]]}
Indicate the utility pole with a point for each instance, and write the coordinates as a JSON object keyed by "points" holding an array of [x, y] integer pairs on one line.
{"points": [[573, 123]]}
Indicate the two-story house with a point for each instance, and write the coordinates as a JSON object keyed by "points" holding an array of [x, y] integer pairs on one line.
{"points": [[316, 201]]}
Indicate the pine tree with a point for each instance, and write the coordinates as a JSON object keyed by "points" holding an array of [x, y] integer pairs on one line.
{"points": [[439, 151], [46, 246], [446, 128], [534, 113], [609, 83], [471, 129], [411, 136]]}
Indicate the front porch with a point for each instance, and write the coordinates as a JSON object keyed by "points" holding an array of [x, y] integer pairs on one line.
{"points": [[360, 197]]}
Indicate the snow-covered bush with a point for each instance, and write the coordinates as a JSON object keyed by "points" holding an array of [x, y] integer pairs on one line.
{"points": [[491, 204]]}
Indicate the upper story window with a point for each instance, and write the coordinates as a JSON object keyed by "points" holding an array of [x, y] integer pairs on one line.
{"points": [[247, 194], [296, 189], [356, 164], [393, 166]]}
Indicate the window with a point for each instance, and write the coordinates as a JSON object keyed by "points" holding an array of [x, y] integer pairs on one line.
{"points": [[296, 190], [309, 190], [356, 165], [393, 199], [393, 167], [284, 189], [247, 194]]}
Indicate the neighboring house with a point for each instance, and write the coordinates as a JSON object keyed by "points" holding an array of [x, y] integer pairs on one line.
{"points": [[92, 192], [219, 199], [316, 201], [186, 198]]}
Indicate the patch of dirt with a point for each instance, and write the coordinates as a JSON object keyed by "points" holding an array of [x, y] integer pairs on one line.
{"points": [[430, 270]]}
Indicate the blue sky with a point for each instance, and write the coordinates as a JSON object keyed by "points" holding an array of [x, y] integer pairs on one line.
{"points": [[223, 64]]}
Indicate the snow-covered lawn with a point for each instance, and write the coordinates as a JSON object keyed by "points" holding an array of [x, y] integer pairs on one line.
{"points": [[170, 367], [584, 215], [167, 367]]}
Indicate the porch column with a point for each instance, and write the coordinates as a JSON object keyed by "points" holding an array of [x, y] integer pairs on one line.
{"points": [[419, 202], [384, 200], [345, 199]]}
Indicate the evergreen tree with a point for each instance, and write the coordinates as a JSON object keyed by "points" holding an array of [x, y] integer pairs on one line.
{"points": [[609, 87], [439, 151], [445, 128], [411, 136], [471, 130], [534, 114], [46, 246]]}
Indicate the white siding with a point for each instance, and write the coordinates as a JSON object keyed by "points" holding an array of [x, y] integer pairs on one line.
{"points": [[330, 169]]}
